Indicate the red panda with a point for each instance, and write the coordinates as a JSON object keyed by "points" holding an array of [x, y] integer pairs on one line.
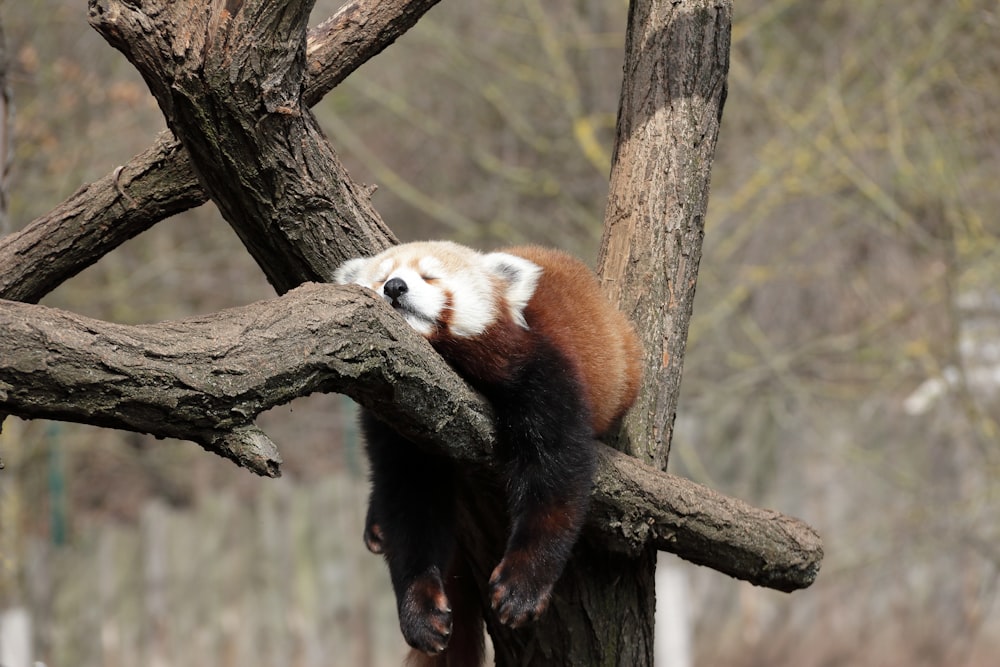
{"points": [[529, 328]]}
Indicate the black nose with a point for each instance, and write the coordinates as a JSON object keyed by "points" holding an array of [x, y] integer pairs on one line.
{"points": [[395, 288]]}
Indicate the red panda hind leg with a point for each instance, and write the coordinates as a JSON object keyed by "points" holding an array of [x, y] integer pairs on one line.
{"points": [[411, 518]]}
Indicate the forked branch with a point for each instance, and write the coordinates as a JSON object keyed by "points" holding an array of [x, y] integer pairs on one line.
{"points": [[160, 181]]}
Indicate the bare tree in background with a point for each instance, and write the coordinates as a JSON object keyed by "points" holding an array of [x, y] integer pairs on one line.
{"points": [[235, 81]]}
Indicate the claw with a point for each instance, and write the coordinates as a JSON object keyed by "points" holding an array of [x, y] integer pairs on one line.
{"points": [[425, 615], [516, 599]]}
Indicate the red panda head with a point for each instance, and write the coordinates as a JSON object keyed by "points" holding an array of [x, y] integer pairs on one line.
{"points": [[442, 287]]}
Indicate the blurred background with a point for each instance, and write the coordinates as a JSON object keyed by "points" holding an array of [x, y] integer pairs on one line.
{"points": [[843, 363]]}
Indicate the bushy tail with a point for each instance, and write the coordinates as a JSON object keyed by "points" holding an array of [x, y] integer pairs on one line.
{"points": [[466, 648]]}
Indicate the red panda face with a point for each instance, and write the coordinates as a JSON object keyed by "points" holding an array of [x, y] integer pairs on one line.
{"points": [[442, 287]]}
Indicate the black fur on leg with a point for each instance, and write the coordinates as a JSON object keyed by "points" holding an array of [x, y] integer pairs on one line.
{"points": [[412, 509], [546, 443]]}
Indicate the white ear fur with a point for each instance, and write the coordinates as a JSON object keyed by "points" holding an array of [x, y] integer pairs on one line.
{"points": [[348, 271], [519, 277]]}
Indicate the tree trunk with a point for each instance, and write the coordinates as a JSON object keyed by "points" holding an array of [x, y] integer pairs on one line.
{"points": [[673, 91], [234, 100], [674, 88]]}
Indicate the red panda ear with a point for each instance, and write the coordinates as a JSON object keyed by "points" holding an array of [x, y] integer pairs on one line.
{"points": [[349, 271], [519, 278]]}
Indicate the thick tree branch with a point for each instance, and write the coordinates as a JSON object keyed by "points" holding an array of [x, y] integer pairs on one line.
{"points": [[359, 31], [160, 181], [96, 219], [205, 379], [202, 378], [229, 80], [642, 505]]}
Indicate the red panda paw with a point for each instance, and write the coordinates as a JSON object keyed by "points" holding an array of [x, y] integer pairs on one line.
{"points": [[424, 614], [374, 539], [516, 597]]}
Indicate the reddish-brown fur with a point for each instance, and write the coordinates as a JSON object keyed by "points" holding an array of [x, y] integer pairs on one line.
{"points": [[598, 340], [487, 357]]}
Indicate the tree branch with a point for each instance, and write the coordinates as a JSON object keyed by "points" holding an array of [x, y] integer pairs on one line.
{"points": [[202, 378], [160, 181], [639, 504], [205, 379], [234, 101]]}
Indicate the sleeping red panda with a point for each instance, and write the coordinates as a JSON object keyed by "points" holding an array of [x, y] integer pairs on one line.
{"points": [[529, 329]]}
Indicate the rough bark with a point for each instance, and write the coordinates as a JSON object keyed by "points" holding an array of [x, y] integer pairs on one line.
{"points": [[703, 526], [206, 378], [96, 219], [674, 88], [160, 181]]}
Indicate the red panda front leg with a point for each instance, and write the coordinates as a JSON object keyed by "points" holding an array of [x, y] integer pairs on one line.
{"points": [[546, 442], [543, 533], [410, 521]]}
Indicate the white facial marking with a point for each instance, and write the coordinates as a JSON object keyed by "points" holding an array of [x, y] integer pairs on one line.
{"points": [[422, 302], [430, 268], [520, 278], [441, 276], [350, 271]]}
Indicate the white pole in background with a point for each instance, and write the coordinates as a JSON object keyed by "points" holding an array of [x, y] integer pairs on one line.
{"points": [[672, 638], [15, 638]]}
